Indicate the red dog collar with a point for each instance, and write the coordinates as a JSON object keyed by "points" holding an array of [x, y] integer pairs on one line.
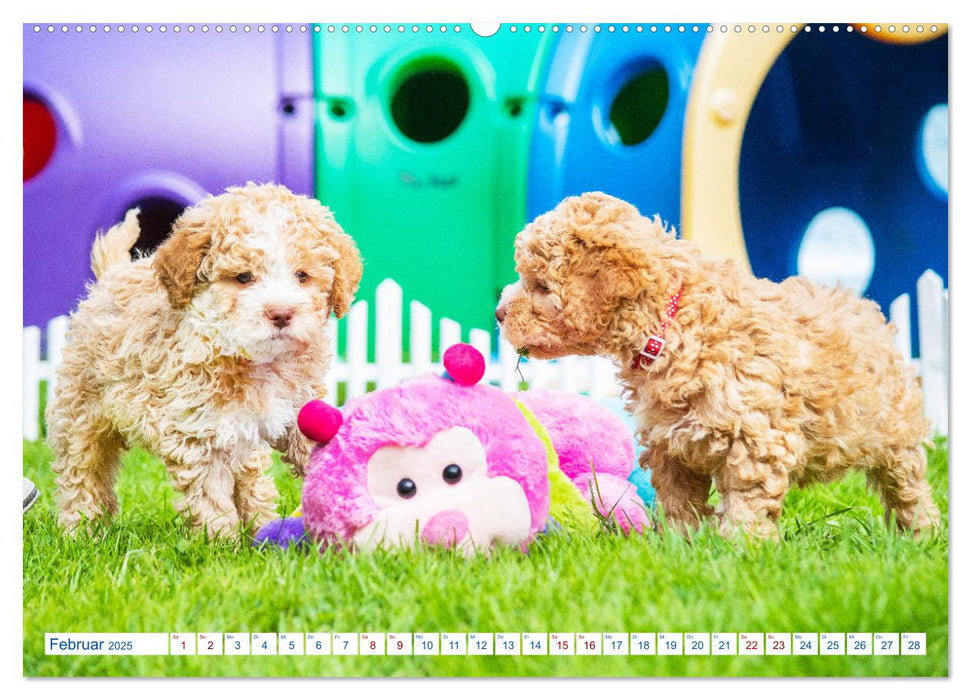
{"points": [[655, 342]]}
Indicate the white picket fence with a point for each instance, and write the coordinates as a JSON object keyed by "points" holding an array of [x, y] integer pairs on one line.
{"points": [[355, 373], [932, 332]]}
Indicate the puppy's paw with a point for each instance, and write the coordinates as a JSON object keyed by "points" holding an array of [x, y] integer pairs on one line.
{"points": [[222, 526], [82, 521], [263, 515], [924, 523], [756, 528]]}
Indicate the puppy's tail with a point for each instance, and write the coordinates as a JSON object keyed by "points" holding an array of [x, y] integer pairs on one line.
{"points": [[114, 246]]}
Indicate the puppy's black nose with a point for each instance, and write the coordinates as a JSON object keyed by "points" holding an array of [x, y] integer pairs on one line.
{"points": [[279, 316], [500, 314]]}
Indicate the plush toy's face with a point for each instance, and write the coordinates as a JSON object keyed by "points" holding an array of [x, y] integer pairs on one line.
{"points": [[441, 494], [440, 460]]}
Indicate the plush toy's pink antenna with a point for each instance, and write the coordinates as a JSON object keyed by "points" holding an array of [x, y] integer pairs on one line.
{"points": [[464, 364], [319, 421]]}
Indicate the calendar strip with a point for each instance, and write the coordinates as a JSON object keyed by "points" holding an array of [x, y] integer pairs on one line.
{"points": [[487, 644]]}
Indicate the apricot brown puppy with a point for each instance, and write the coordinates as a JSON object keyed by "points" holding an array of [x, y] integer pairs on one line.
{"points": [[203, 353], [747, 384]]}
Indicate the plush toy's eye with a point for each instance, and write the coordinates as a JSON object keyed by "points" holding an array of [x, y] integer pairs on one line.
{"points": [[407, 488], [452, 474], [244, 277]]}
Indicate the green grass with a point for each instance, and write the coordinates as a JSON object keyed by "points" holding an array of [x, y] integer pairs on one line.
{"points": [[838, 568]]}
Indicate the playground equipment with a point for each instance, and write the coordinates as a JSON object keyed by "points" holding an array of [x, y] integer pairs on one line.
{"points": [[815, 152], [611, 117], [422, 143], [822, 154], [154, 119]]}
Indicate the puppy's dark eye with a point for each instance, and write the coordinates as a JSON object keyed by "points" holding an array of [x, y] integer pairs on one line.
{"points": [[303, 277], [244, 277], [407, 488], [452, 474], [541, 288]]}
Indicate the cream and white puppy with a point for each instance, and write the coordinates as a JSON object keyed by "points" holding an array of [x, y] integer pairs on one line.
{"points": [[203, 353]]}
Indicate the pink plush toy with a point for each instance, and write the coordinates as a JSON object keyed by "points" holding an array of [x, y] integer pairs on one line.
{"points": [[449, 461]]}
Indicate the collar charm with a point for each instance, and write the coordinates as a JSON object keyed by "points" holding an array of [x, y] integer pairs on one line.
{"points": [[655, 341]]}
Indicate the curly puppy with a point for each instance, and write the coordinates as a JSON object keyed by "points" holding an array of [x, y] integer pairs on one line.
{"points": [[734, 380], [203, 353]]}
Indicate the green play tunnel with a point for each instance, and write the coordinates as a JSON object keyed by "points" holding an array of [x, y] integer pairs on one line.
{"points": [[422, 146]]}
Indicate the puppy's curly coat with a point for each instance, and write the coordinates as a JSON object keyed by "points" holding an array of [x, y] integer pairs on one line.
{"points": [[202, 352], [759, 386]]}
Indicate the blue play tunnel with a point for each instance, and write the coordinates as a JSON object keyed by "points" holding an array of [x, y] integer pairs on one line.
{"points": [[843, 170], [611, 118]]}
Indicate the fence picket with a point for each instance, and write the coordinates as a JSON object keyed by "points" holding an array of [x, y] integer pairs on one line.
{"points": [[56, 338], [357, 336], [945, 346], [508, 361], [33, 374], [330, 383], [932, 331], [900, 317], [449, 333], [595, 376], [539, 374], [387, 345], [481, 340], [421, 338]]}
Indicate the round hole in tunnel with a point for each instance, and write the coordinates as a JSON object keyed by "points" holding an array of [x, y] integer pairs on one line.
{"points": [[932, 149], [431, 102], [155, 219], [638, 106], [837, 249], [40, 135]]}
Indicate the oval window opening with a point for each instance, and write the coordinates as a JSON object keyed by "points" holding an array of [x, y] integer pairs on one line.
{"points": [[837, 248], [155, 221], [40, 136], [638, 107], [932, 148], [430, 104]]}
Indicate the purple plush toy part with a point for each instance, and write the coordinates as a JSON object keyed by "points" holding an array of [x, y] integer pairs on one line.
{"points": [[450, 461], [286, 532]]}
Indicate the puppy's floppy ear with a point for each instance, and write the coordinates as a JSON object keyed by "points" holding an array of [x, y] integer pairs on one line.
{"points": [[347, 273], [177, 260], [347, 266], [634, 253]]}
